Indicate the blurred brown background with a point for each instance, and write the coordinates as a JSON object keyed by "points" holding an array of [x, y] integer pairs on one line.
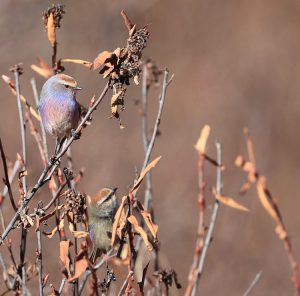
{"points": [[236, 64]]}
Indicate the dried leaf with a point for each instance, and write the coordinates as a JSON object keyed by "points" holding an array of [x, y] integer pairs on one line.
{"points": [[228, 201], [78, 61], [51, 29], [117, 52], [250, 148], [64, 254], [101, 59], [201, 143], [127, 21], [43, 72], [80, 267], [152, 227], [143, 174], [142, 262], [117, 220], [132, 31], [133, 221], [261, 191], [136, 80]]}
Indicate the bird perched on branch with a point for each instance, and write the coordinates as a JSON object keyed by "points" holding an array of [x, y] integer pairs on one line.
{"points": [[101, 210], [60, 112]]}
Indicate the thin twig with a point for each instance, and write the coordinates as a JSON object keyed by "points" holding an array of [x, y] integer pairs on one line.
{"points": [[61, 287], [17, 70], [7, 181], [44, 137], [213, 219], [166, 83], [53, 165], [192, 278], [253, 284], [15, 169], [40, 260], [9, 282]]}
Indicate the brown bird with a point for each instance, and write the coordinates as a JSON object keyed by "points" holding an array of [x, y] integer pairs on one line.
{"points": [[101, 210]]}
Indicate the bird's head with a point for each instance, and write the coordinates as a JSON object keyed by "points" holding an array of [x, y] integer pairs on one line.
{"points": [[63, 83], [103, 204]]}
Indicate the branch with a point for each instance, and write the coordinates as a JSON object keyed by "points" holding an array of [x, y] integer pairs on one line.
{"points": [[213, 219], [7, 181], [166, 83], [44, 137], [253, 284]]}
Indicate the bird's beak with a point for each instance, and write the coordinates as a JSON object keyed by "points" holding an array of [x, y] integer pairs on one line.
{"points": [[78, 88]]}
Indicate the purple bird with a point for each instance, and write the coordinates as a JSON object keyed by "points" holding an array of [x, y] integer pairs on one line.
{"points": [[60, 112]]}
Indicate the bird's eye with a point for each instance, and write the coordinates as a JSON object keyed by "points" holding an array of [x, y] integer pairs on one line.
{"points": [[67, 86]]}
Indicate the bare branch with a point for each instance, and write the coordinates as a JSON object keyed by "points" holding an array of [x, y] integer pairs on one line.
{"points": [[253, 284], [212, 221]]}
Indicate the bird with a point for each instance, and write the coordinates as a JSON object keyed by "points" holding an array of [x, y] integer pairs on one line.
{"points": [[59, 110], [101, 211]]}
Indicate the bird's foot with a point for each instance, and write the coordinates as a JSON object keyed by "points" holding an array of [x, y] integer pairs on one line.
{"points": [[75, 134]]}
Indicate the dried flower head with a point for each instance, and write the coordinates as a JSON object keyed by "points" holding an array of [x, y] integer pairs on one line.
{"points": [[76, 203], [123, 64], [57, 10]]}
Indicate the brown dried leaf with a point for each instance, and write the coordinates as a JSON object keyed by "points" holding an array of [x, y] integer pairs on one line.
{"points": [[201, 143], [250, 148], [51, 29], [142, 261], [117, 220], [117, 52], [80, 267], [228, 201], [43, 69], [261, 191], [136, 80], [78, 61], [101, 59], [144, 173], [133, 221], [152, 227], [127, 21], [64, 254], [132, 31]]}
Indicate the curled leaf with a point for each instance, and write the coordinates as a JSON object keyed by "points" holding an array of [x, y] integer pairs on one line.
{"points": [[43, 69], [78, 61], [80, 267], [117, 220], [51, 29], [148, 220], [230, 202], [201, 143], [261, 191], [64, 254], [149, 167], [133, 221], [101, 59], [127, 21]]}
